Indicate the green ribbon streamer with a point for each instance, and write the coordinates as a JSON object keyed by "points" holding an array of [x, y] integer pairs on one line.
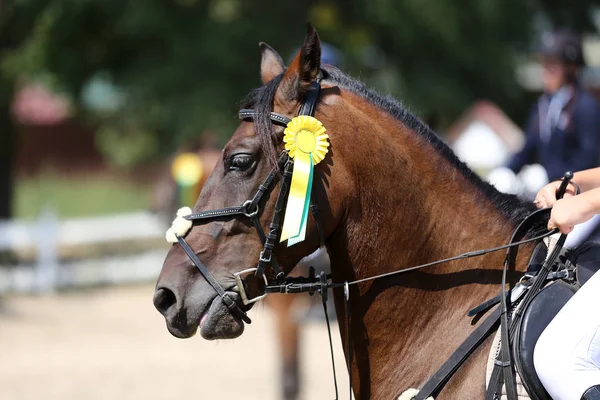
{"points": [[302, 233]]}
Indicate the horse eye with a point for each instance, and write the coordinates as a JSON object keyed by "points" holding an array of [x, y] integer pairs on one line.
{"points": [[240, 162]]}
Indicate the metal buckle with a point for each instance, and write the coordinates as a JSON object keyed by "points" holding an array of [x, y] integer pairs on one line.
{"points": [[566, 274], [262, 258], [246, 212], [518, 291], [238, 280]]}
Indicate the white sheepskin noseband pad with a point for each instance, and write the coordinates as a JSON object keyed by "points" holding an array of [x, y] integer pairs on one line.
{"points": [[410, 394], [180, 225]]}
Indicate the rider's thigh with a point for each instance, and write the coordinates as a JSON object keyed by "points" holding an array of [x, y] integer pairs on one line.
{"points": [[567, 354]]}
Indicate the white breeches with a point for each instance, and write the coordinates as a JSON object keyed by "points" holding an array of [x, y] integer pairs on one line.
{"points": [[567, 355], [581, 232]]}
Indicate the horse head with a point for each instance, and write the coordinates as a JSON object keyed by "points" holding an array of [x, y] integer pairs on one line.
{"points": [[226, 247]]}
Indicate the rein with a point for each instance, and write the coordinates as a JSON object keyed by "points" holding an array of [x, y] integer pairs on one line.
{"points": [[321, 283]]}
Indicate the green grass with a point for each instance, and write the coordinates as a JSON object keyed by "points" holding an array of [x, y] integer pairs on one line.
{"points": [[78, 196]]}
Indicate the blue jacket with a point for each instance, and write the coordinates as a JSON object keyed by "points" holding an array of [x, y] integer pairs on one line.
{"points": [[574, 145]]}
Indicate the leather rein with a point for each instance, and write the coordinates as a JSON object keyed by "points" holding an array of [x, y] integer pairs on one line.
{"points": [[250, 209]]}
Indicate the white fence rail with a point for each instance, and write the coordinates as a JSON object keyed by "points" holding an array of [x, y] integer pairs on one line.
{"points": [[78, 231], [44, 238]]}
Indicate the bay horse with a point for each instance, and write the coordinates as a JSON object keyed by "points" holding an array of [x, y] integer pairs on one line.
{"points": [[391, 195]]}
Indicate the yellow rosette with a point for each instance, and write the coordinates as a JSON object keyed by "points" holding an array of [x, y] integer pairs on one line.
{"points": [[307, 144]]}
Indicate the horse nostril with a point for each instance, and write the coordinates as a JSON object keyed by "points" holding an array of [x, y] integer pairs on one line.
{"points": [[164, 299]]}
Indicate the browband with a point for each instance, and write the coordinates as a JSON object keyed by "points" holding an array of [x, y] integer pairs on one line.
{"points": [[307, 108], [278, 119]]}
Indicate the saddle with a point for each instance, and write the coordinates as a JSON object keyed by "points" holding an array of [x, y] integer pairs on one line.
{"points": [[576, 267], [531, 309]]}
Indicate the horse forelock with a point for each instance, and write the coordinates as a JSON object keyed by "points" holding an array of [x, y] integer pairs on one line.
{"points": [[261, 100]]}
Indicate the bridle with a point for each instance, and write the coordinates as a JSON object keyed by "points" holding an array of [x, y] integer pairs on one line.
{"points": [[251, 209], [283, 284]]}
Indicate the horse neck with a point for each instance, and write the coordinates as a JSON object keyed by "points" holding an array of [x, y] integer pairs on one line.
{"points": [[410, 206]]}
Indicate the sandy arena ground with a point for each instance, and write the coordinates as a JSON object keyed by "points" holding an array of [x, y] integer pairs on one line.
{"points": [[111, 343]]}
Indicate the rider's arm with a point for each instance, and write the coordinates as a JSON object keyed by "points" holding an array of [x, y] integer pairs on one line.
{"points": [[588, 179], [572, 210]]}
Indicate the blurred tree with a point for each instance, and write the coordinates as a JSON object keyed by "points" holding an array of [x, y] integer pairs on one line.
{"points": [[579, 15], [439, 56], [16, 21], [157, 73]]}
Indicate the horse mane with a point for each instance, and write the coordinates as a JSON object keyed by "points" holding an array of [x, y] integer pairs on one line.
{"points": [[261, 99]]}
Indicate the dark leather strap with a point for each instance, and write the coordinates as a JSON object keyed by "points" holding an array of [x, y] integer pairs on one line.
{"points": [[436, 383], [310, 100], [267, 256], [308, 108], [348, 338], [278, 119], [483, 307], [249, 208], [213, 214], [505, 360], [504, 364], [269, 182], [228, 301], [323, 291], [503, 371], [259, 229]]}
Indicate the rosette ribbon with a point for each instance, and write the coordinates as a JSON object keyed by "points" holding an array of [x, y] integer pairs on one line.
{"points": [[307, 144]]}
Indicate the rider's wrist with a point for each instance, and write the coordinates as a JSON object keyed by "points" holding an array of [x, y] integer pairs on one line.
{"points": [[592, 201]]}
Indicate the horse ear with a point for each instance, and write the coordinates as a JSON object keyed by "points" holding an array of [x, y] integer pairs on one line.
{"points": [[303, 70], [271, 64]]}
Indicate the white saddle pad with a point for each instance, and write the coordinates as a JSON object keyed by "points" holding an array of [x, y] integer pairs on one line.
{"points": [[521, 393]]}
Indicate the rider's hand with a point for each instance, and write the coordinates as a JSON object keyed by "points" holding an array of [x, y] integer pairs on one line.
{"points": [[546, 197], [570, 211]]}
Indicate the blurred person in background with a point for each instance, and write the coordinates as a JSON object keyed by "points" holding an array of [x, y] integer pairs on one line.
{"points": [[563, 128]]}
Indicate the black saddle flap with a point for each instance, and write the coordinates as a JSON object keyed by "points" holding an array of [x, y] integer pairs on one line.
{"points": [[544, 307]]}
